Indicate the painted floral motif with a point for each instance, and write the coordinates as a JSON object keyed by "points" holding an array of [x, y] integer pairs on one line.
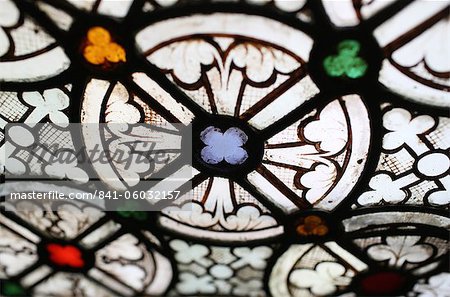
{"points": [[414, 64], [67, 221], [217, 206], [119, 109], [224, 146], [124, 256], [186, 253], [404, 128], [318, 180], [68, 283], [16, 252], [399, 250], [257, 62], [414, 161], [384, 188], [247, 217], [322, 280], [68, 168], [51, 103], [436, 286], [313, 157], [427, 49], [192, 284], [313, 270], [328, 129], [232, 271], [400, 255], [254, 257], [230, 73]]}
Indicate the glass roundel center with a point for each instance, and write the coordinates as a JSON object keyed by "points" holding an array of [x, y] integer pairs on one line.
{"points": [[225, 146], [100, 48]]}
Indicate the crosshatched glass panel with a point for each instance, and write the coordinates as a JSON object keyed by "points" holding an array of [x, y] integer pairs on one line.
{"points": [[297, 148]]}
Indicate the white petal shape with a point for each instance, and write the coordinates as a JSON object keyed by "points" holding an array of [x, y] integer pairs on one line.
{"points": [[4, 42], [211, 155], [236, 156], [33, 98], [9, 14], [56, 99], [211, 135], [235, 137], [289, 6], [58, 118]]}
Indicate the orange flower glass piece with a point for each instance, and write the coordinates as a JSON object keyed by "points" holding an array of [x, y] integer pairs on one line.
{"points": [[312, 225], [101, 49]]}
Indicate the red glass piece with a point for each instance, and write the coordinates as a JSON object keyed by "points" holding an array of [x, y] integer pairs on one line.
{"points": [[65, 255], [383, 283]]}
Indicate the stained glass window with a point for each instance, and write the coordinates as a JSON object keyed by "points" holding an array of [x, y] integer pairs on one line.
{"points": [[319, 145]]}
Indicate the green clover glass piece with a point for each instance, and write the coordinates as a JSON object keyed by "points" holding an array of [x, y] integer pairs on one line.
{"points": [[124, 213], [346, 62], [357, 68], [128, 211], [140, 215], [349, 47], [12, 289], [334, 66]]}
